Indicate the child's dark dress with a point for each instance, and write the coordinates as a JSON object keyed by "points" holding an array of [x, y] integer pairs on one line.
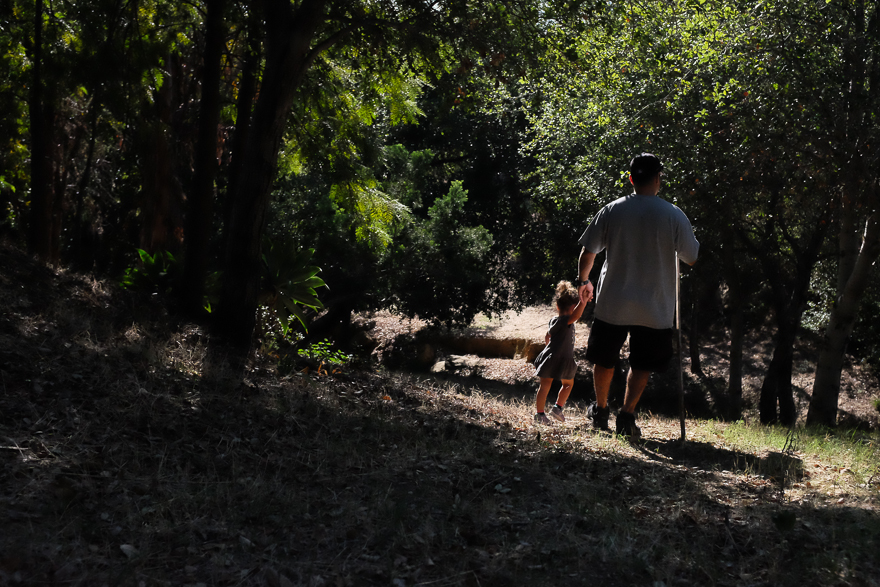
{"points": [[557, 359]]}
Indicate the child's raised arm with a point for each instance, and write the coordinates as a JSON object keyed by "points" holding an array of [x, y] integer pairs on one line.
{"points": [[579, 309]]}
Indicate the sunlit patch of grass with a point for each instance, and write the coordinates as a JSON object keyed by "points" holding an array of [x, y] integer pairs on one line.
{"points": [[852, 451], [827, 459]]}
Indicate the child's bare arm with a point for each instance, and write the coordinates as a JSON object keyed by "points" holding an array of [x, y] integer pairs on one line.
{"points": [[579, 309], [547, 338]]}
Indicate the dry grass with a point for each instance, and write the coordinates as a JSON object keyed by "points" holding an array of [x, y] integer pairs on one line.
{"points": [[135, 452]]}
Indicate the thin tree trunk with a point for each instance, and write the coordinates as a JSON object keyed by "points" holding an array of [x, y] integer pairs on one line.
{"points": [[200, 206], [826, 384], [243, 108], [694, 332], [737, 324], [82, 243], [157, 177], [735, 370], [777, 381], [156, 171], [42, 172], [790, 304]]}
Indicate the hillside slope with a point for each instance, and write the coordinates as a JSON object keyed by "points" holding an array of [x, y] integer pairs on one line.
{"points": [[135, 452]]}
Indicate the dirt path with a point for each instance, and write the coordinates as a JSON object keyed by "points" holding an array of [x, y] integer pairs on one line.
{"points": [[529, 324], [860, 388]]}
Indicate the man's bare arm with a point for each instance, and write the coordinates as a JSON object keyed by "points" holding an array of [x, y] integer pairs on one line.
{"points": [[585, 265]]}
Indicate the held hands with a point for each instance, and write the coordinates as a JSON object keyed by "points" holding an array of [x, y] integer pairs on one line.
{"points": [[586, 292]]}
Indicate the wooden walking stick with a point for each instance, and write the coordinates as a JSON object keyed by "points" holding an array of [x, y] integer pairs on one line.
{"points": [[678, 328]]}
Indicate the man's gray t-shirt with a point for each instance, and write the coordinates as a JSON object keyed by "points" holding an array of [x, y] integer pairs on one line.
{"points": [[641, 235]]}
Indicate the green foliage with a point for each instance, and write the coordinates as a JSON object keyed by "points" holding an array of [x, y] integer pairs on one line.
{"points": [[323, 352], [289, 281], [439, 269], [157, 273], [162, 273]]}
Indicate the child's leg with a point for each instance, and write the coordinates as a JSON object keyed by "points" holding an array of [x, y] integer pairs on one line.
{"points": [[543, 390], [564, 392]]}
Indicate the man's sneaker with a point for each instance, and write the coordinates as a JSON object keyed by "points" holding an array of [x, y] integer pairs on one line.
{"points": [[626, 425], [599, 416], [556, 412], [543, 419]]}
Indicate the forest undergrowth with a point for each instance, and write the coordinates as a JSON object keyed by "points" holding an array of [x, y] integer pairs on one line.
{"points": [[136, 451]]}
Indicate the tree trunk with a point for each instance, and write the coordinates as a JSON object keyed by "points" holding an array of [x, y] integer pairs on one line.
{"points": [[156, 185], [240, 139], [83, 241], [694, 332], [42, 171], [777, 381], [735, 370], [200, 206], [790, 302], [737, 304], [857, 252], [288, 56], [826, 384], [156, 170], [246, 93]]}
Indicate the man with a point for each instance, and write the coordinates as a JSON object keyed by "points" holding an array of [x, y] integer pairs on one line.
{"points": [[641, 234]]}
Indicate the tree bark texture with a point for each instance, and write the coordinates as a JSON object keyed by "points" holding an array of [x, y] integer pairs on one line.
{"points": [[736, 309], [790, 298], [160, 198], [201, 200], [826, 384], [246, 93], [858, 200], [289, 37], [42, 170], [777, 381]]}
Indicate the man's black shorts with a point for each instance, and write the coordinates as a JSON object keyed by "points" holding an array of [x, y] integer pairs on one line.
{"points": [[649, 348]]}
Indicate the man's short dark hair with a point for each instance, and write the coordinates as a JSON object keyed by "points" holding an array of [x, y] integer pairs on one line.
{"points": [[644, 168]]}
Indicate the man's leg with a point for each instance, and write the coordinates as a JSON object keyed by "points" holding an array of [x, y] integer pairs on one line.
{"points": [[636, 381], [603, 348], [598, 411], [602, 377]]}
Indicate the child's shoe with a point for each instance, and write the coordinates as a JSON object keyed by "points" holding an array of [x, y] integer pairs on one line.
{"points": [[543, 419], [599, 416], [557, 414]]}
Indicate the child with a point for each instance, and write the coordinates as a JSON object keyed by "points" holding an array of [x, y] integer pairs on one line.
{"points": [[556, 361]]}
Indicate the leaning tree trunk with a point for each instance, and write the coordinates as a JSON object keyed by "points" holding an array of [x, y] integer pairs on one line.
{"points": [[289, 54], [201, 200], [858, 252], [826, 384]]}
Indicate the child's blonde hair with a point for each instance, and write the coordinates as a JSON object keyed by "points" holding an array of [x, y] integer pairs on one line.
{"points": [[566, 295]]}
